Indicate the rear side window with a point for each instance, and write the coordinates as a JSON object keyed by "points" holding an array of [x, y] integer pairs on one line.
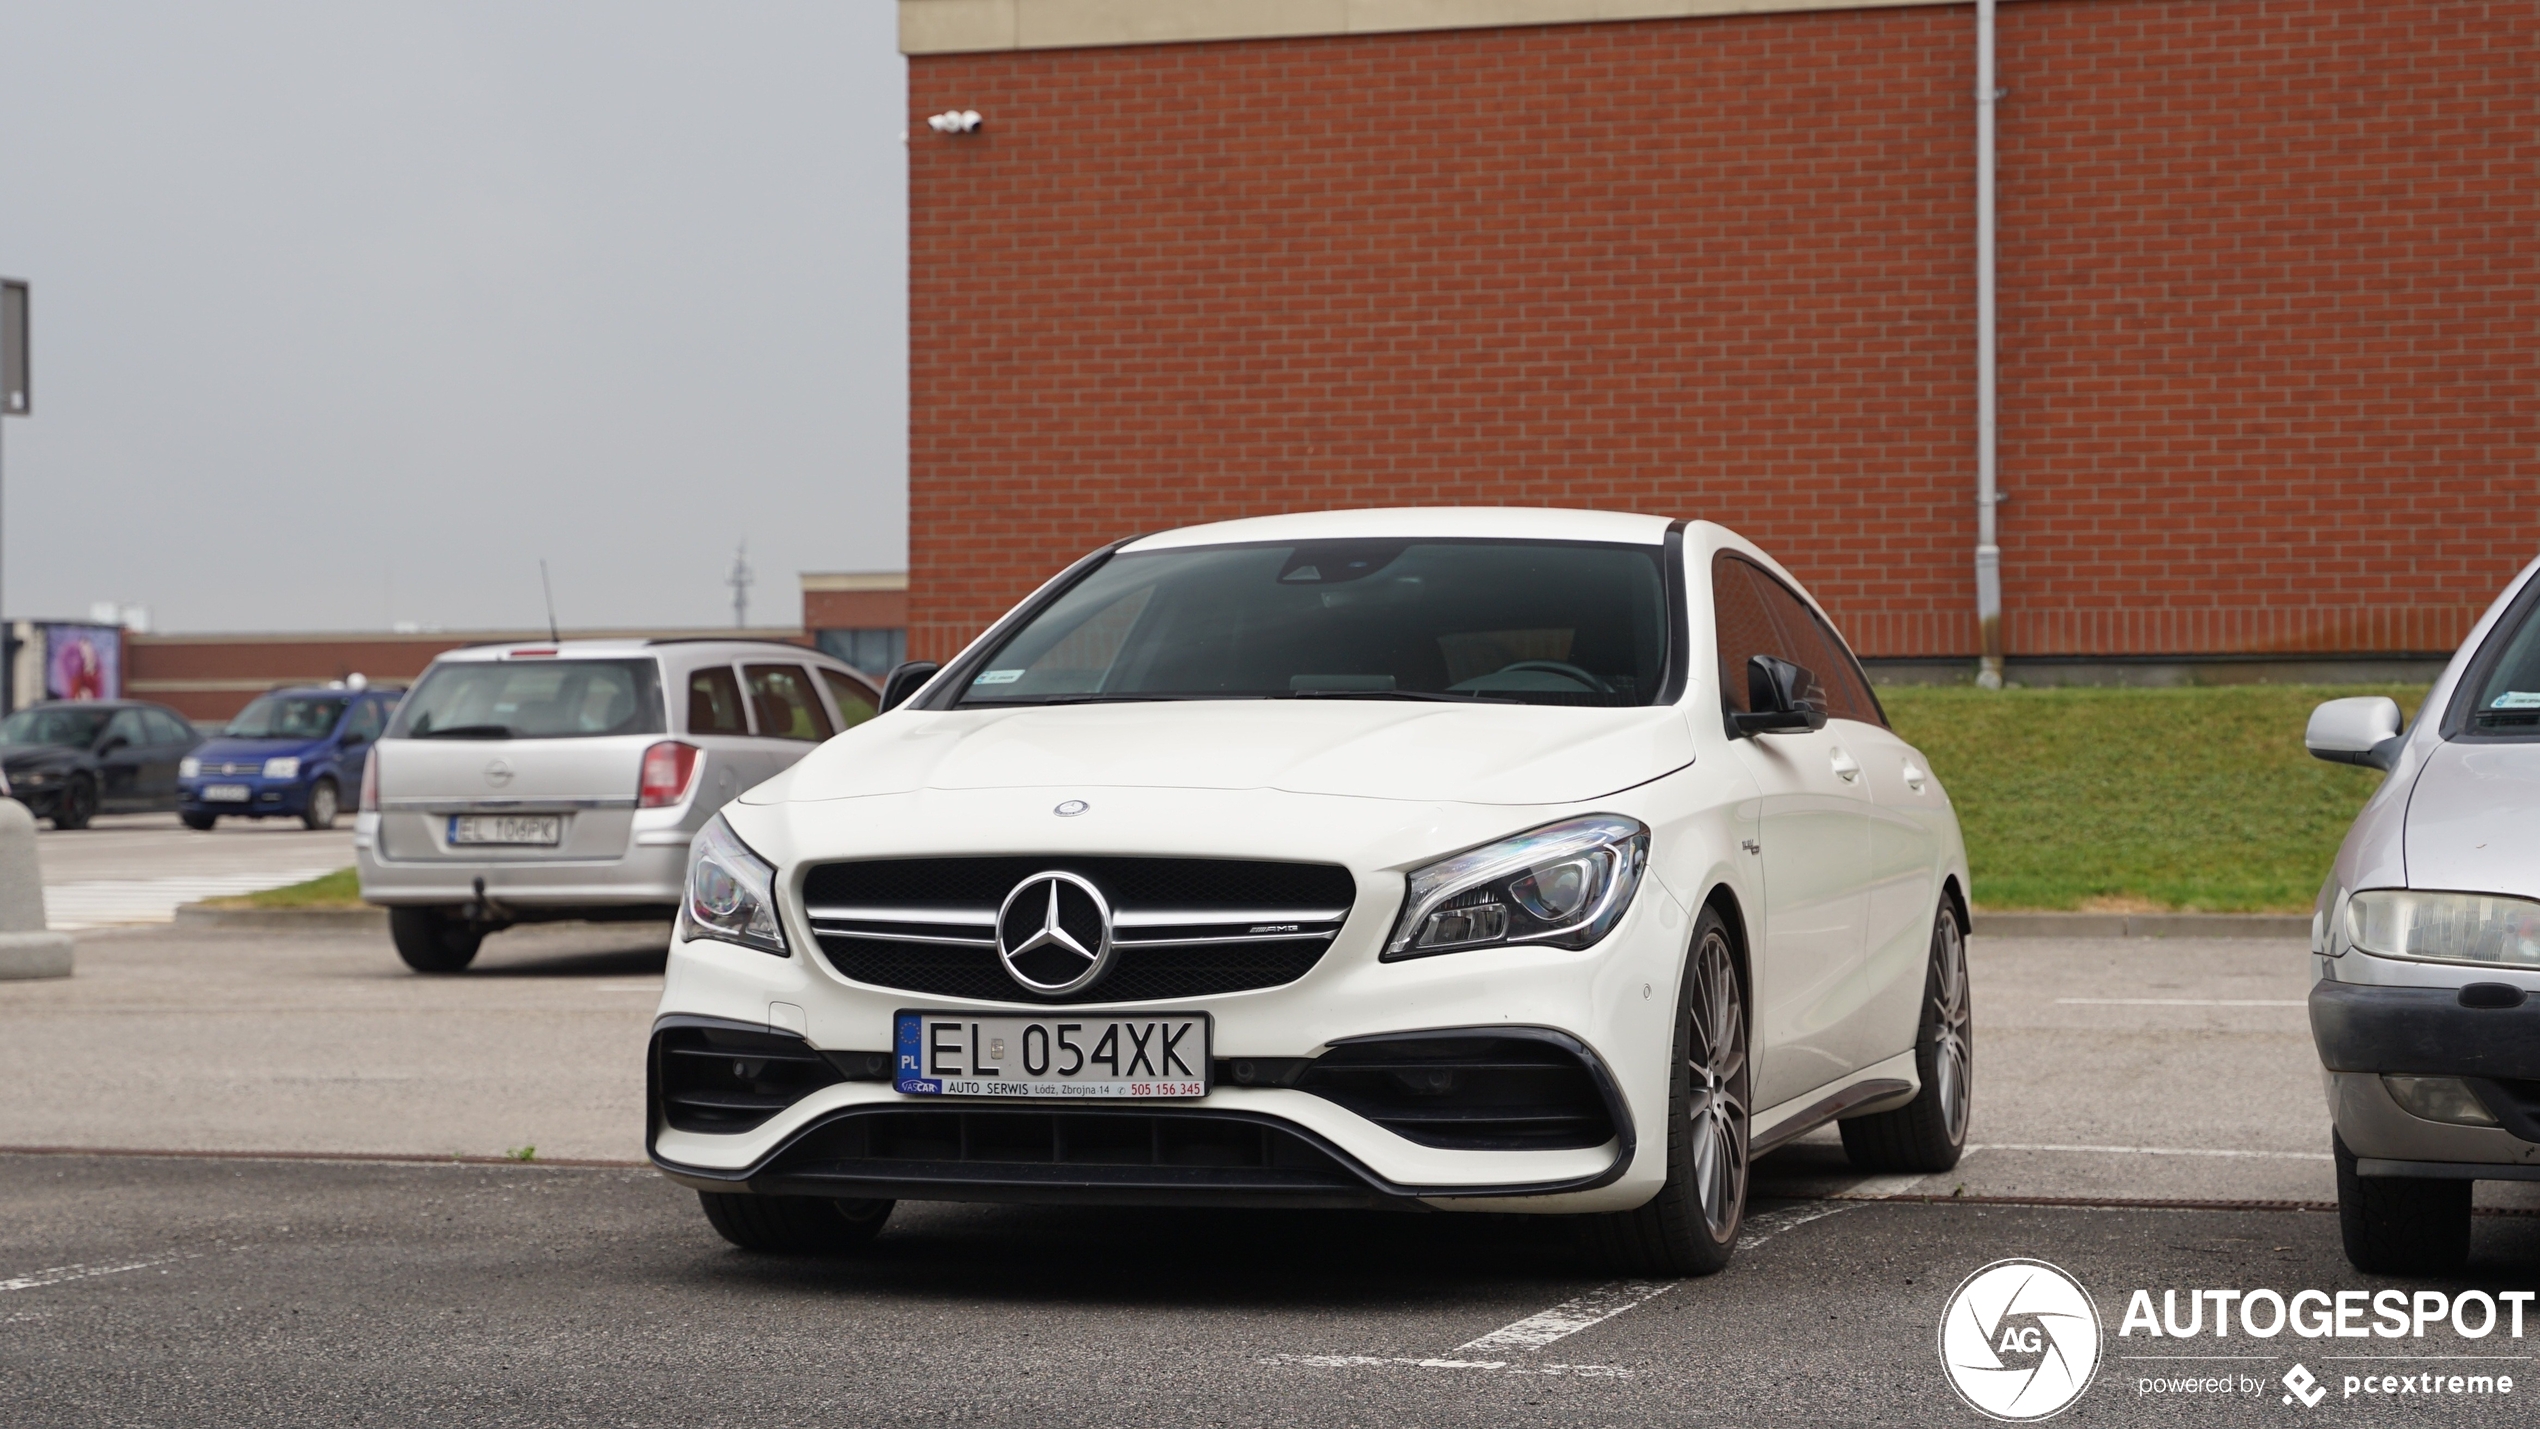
{"points": [[532, 699], [855, 702], [1758, 615], [787, 706], [714, 703]]}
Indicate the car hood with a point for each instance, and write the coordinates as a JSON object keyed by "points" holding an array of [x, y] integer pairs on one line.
{"points": [[36, 756], [1475, 754], [2470, 819]]}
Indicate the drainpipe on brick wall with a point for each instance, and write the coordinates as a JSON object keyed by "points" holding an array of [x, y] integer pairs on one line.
{"points": [[1988, 403]]}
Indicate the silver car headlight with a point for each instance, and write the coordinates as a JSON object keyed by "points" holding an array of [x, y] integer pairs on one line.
{"points": [[2444, 927], [283, 766], [731, 891], [1564, 885]]}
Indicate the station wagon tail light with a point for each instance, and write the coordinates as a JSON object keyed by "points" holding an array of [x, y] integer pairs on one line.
{"points": [[2445, 927], [369, 802], [1564, 885], [669, 767], [731, 892]]}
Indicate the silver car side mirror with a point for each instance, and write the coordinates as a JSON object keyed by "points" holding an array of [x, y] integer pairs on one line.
{"points": [[2363, 730]]}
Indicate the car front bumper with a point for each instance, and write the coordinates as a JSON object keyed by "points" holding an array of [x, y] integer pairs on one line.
{"points": [[2367, 1030], [265, 798]]}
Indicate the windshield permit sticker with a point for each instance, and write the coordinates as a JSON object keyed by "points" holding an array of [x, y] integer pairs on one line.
{"points": [[999, 677], [2517, 700]]}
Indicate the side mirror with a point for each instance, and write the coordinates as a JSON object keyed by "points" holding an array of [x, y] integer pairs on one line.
{"points": [[1778, 699], [906, 679], [2363, 730]]}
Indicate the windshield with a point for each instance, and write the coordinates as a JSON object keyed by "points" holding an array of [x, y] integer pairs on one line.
{"points": [[532, 699], [288, 717], [1533, 622], [71, 728], [2508, 680]]}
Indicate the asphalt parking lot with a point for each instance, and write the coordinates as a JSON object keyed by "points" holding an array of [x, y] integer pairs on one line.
{"points": [[2148, 1116]]}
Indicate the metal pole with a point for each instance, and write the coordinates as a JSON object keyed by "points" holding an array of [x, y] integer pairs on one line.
{"points": [[1988, 406]]}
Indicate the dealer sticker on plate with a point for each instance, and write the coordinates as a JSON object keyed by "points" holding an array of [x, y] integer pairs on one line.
{"points": [[955, 1054]]}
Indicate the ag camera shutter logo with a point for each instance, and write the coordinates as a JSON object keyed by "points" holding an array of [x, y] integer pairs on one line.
{"points": [[2020, 1340]]}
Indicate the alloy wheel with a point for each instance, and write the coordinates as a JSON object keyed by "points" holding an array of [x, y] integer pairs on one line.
{"points": [[1953, 1048], [1718, 1102]]}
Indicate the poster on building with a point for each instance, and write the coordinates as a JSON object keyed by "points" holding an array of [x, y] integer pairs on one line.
{"points": [[83, 662]]}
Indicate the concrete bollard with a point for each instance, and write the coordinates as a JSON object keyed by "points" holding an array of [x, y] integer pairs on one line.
{"points": [[27, 948]]}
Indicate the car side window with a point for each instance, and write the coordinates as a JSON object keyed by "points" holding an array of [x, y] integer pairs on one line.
{"points": [[786, 704], [714, 703], [1758, 615], [368, 718], [127, 726], [855, 702], [166, 728]]}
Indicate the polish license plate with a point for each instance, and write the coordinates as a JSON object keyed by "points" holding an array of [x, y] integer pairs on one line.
{"points": [[224, 793], [545, 830], [1090, 1057]]}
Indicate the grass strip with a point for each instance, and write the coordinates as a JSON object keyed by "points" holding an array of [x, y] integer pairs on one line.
{"points": [[340, 889]]}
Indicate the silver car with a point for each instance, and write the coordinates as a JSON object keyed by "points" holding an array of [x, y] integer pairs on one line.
{"points": [[531, 783], [2426, 1004]]}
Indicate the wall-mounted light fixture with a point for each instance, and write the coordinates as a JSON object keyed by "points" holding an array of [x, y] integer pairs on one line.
{"points": [[954, 121]]}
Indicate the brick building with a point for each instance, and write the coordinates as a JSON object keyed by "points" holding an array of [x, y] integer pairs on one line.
{"points": [[2269, 378]]}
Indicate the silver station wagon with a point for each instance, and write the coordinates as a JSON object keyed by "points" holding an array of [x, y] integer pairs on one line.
{"points": [[534, 783]]}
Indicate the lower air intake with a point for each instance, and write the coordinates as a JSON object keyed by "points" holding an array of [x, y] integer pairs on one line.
{"points": [[1470, 1090]]}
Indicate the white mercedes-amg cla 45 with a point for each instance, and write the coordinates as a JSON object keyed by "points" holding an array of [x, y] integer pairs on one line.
{"points": [[1454, 859]]}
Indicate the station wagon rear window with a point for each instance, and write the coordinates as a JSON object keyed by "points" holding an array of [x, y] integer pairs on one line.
{"points": [[542, 699]]}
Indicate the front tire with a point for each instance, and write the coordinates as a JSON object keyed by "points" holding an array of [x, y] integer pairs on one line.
{"points": [[1691, 1226], [200, 823], [1928, 1133], [79, 804], [793, 1225], [431, 941], [2400, 1225], [324, 802]]}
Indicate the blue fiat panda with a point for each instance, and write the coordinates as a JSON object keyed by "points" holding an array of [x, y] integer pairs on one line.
{"points": [[295, 753]]}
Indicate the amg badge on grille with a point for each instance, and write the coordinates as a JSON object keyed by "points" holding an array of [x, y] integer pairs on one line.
{"points": [[1054, 933]]}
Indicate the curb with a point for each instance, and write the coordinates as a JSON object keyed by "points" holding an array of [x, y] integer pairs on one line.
{"points": [[34, 955], [2143, 925], [285, 920]]}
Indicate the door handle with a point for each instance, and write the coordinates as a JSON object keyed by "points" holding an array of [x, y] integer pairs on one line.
{"points": [[1914, 776], [1844, 766]]}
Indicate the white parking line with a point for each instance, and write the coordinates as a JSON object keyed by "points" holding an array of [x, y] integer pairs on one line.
{"points": [[2152, 1151], [110, 902], [38, 1279], [2181, 1002], [1567, 1318], [1575, 1371]]}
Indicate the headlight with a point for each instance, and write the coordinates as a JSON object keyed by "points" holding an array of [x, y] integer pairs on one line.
{"points": [[1564, 885], [188, 767], [731, 891], [2444, 927], [285, 767]]}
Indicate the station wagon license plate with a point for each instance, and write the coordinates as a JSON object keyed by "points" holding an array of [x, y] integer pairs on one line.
{"points": [[535, 830], [957, 1054], [224, 793]]}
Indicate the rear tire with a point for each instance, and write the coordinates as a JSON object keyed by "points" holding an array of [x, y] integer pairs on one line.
{"points": [[79, 804], [324, 803], [431, 941], [2400, 1225], [1928, 1133], [1691, 1226], [200, 823], [793, 1225]]}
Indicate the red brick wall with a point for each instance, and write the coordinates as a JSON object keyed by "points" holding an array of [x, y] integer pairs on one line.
{"points": [[855, 609], [2267, 292]]}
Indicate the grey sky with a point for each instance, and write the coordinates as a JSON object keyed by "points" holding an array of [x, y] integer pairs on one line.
{"points": [[346, 314]]}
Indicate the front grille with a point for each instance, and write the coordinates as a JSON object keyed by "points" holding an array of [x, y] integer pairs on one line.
{"points": [[1468, 1091], [720, 1079], [1181, 927], [233, 768], [1081, 1154]]}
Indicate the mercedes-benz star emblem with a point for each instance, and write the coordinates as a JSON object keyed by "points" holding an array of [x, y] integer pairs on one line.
{"points": [[1054, 933], [1070, 808]]}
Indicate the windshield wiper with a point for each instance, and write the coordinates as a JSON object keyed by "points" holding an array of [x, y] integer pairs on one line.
{"points": [[466, 731], [1453, 699]]}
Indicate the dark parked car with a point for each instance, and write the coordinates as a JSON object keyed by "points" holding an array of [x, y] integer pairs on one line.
{"points": [[291, 753], [71, 760]]}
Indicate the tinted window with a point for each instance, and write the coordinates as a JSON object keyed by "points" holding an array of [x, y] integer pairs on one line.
{"points": [[786, 704], [166, 728], [2504, 686], [368, 717], [288, 717], [1756, 614], [714, 702], [532, 699], [71, 728], [1537, 622], [127, 726], [855, 703]]}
